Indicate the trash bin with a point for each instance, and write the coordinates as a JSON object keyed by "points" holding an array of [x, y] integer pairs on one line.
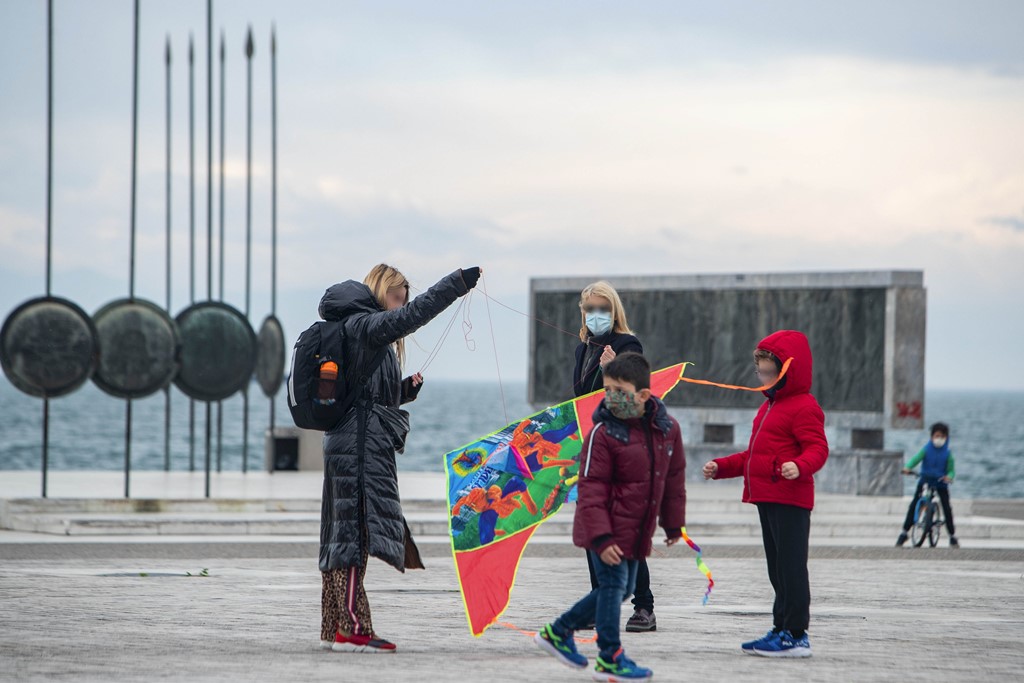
{"points": [[282, 449]]}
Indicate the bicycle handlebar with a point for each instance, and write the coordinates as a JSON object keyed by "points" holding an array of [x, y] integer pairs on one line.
{"points": [[914, 473]]}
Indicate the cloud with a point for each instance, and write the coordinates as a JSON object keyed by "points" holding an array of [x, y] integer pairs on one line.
{"points": [[680, 138], [1014, 223]]}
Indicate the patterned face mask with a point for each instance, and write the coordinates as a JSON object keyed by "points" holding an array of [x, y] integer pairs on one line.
{"points": [[623, 404]]}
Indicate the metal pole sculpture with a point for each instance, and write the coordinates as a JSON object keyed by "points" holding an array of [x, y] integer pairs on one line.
{"points": [[49, 212], [273, 191], [131, 258], [167, 391], [49, 346], [139, 342], [220, 404], [270, 365], [219, 346], [209, 200], [248, 234], [192, 231]]}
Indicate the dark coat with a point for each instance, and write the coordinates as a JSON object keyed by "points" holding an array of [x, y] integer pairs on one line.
{"points": [[789, 427], [360, 509], [587, 376], [632, 477]]}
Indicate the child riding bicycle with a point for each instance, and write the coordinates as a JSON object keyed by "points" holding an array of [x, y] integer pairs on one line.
{"points": [[937, 469]]}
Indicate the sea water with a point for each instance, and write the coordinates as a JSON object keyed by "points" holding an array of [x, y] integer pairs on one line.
{"points": [[87, 430]]}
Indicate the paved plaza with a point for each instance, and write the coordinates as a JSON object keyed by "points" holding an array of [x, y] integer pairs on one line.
{"points": [[86, 618], [120, 602]]}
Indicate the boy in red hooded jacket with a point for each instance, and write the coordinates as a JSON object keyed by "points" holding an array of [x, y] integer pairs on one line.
{"points": [[787, 446], [632, 478]]}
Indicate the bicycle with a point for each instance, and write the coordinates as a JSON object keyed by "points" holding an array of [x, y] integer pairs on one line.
{"points": [[928, 518]]}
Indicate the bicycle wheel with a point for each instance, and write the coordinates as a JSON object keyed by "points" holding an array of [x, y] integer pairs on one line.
{"points": [[917, 533], [931, 524]]}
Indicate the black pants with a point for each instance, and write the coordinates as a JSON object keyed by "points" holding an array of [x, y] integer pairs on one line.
{"points": [[785, 530], [943, 492], [643, 598]]}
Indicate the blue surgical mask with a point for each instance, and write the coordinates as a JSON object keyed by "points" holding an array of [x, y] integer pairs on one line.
{"points": [[599, 323]]}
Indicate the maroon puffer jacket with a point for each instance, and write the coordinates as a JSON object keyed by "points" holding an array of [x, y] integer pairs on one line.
{"points": [[788, 427], [632, 473]]}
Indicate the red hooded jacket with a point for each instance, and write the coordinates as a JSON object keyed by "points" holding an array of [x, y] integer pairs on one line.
{"points": [[632, 474], [788, 427]]}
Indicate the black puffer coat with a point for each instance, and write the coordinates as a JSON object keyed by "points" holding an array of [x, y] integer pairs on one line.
{"points": [[587, 375], [360, 509]]}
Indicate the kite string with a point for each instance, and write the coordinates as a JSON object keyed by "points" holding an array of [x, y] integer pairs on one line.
{"points": [[444, 335], [782, 372], [574, 335], [494, 343], [467, 323]]}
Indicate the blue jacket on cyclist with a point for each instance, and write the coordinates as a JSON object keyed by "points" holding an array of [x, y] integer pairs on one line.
{"points": [[938, 468], [936, 463]]}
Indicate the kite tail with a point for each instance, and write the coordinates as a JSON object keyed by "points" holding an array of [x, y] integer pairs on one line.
{"points": [[506, 624], [700, 565]]}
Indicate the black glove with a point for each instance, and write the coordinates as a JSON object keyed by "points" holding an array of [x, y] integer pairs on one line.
{"points": [[410, 390], [470, 276]]}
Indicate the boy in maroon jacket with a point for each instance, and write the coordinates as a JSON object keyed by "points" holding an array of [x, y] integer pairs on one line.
{"points": [[787, 446], [632, 476]]}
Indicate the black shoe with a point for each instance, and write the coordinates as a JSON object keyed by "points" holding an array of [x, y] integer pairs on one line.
{"points": [[642, 621], [953, 543], [902, 539]]}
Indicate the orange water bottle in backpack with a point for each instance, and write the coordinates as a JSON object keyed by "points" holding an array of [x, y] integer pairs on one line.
{"points": [[326, 383]]}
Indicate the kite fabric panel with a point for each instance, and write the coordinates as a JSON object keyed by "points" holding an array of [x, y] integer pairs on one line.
{"points": [[501, 487]]}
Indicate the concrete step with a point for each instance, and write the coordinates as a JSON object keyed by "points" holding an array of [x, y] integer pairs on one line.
{"points": [[728, 504], [435, 523]]}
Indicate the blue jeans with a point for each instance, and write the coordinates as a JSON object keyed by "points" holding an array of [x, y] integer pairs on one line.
{"points": [[603, 605]]}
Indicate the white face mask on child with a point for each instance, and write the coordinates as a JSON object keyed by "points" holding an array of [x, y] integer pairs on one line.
{"points": [[939, 441]]}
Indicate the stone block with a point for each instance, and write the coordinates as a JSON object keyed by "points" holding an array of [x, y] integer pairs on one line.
{"points": [[879, 473]]}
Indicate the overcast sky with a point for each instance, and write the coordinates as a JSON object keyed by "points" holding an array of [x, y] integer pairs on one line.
{"points": [[538, 139]]}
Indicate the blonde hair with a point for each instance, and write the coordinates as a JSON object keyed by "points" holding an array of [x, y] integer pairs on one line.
{"points": [[381, 279], [605, 290]]}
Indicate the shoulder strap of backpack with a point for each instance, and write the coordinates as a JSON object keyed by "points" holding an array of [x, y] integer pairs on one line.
{"points": [[358, 387]]}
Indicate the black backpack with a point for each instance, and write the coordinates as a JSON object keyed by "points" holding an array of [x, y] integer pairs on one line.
{"points": [[323, 342]]}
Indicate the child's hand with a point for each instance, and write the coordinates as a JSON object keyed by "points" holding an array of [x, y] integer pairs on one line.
{"points": [[947, 479], [789, 470], [673, 541], [612, 555], [417, 379], [607, 356], [710, 469]]}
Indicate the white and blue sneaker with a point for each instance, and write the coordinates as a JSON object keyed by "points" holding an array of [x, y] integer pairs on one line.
{"points": [[748, 647], [784, 645]]}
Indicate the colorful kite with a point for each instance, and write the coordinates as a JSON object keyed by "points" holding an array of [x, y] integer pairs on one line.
{"points": [[503, 486]]}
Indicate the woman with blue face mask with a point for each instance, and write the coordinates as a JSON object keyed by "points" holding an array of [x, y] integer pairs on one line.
{"points": [[605, 334]]}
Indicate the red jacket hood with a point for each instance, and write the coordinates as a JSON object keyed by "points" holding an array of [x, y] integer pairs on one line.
{"points": [[786, 344]]}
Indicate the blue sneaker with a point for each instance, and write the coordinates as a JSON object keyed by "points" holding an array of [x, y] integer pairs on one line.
{"points": [[620, 668], [563, 649], [749, 646], [784, 645]]}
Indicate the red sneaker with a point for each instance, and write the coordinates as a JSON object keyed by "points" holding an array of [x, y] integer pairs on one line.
{"points": [[357, 643]]}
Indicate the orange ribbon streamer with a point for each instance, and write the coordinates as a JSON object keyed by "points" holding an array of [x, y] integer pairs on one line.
{"points": [[766, 387]]}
